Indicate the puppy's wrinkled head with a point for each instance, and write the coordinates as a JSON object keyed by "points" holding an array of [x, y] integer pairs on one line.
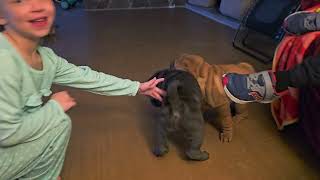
{"points": [[188, 62]]}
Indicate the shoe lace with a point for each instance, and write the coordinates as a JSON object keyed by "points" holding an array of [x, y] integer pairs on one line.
{"points": [[255, 83], [310, 22]]}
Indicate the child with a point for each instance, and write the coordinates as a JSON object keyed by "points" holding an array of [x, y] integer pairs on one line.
{"points": [[265, 86], [33, 135]]}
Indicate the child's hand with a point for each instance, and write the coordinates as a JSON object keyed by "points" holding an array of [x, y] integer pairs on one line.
{"points": [[150, 88], [64, 99]]}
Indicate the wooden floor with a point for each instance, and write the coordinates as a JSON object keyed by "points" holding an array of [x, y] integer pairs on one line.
{"points": [[112, 136]]}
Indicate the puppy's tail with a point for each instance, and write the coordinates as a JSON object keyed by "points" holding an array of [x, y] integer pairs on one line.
{"points": [[175, 103]]}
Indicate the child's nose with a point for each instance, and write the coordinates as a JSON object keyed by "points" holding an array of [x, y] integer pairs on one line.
{"points": [[37, 5]]}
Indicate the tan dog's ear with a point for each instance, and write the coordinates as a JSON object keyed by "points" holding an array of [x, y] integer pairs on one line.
{"points": [[192, 63], [202, 84], [178, 63], [172, 65]]}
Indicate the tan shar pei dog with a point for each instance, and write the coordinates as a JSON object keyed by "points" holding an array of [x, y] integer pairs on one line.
{"points": [[209, 77]]}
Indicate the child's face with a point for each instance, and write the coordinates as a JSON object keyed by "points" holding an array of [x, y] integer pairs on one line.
{"points": [[27, 18]]}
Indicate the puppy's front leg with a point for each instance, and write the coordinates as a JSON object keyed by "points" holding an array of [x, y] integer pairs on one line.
{"points": [[241, 111], [161, 144], [225, 117]]}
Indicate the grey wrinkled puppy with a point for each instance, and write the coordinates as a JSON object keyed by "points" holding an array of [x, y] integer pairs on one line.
{"points": [[180, 113]]}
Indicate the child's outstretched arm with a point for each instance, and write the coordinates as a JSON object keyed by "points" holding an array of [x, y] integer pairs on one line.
{"points": [[83, 77]]}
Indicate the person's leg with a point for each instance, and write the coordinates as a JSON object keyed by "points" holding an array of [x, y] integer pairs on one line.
{"points": [[52, 159], [265, 86], [256, 87], [302, 22], [39, 159]]}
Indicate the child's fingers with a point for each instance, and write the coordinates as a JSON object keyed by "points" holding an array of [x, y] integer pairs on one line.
{"points": [[156, 81], [147, 85], [160, 80], [71, 104], [157, 96], [152, 82], [74, 102], [160, 91], [72, 99]]}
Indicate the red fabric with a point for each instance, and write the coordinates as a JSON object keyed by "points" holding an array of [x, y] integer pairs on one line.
{"points": [[305, 4], [290, 52]]}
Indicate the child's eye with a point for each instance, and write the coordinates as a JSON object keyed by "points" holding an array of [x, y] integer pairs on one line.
{"points": [[17, 1]]}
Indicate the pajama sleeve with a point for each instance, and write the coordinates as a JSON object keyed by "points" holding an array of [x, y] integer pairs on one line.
{"points": [[16, 125], [83, 77]]}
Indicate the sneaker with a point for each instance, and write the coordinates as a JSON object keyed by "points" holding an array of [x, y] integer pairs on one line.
{"points": [[302, 22], [245, 88]]}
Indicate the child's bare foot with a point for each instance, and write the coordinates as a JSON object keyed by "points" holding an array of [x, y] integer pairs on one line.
{"points": [[59, 178]]}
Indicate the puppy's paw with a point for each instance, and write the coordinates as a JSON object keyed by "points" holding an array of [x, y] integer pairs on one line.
{"points": [[197, 155], [226, 136], [160, 151]]}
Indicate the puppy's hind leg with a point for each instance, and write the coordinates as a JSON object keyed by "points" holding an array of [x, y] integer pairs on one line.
{"points": [[194, 134], [161, 145]]}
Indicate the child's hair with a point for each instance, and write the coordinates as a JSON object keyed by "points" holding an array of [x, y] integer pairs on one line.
{"points": [[1, 28], [51, 37]]}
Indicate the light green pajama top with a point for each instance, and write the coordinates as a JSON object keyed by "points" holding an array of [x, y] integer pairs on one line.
{"points": [[23, 115]]}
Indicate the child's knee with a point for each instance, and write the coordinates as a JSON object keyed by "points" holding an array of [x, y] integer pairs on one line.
{"points": [[68, 124]]}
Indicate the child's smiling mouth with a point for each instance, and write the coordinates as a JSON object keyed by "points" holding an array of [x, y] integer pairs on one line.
{"points": [[39, 22]]}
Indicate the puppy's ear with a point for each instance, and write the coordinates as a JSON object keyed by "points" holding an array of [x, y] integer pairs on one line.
{"points": [[155, 102], [157, 74]]}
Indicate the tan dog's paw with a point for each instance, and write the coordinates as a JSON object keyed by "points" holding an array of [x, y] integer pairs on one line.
{"points": [[237, 118], [241, 113], [225, 136]]}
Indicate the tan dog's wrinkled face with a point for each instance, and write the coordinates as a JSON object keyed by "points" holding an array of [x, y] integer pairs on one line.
{"points": [[189, 63], [192, 64]]}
